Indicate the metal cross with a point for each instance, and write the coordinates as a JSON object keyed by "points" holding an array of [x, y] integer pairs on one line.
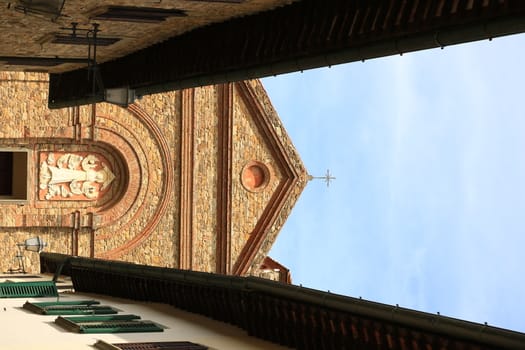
{"points": [[326, 178]]}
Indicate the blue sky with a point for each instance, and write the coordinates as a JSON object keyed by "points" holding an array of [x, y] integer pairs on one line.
{"points": [[428, 208]]}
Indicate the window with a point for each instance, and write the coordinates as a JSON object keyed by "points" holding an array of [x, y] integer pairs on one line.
{"points": [[13, 175], [137, 14], [36, 61], [82, 40], [173, 345], [107, 324], [77, 307], [6, 173], [44, 8]]}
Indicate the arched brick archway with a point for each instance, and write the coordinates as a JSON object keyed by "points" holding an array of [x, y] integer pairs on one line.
{"points": [[137, 211], [143, 180], [138, 153]]}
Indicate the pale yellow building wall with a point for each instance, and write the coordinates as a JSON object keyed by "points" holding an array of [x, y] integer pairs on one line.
{"points": [[25, 330]]}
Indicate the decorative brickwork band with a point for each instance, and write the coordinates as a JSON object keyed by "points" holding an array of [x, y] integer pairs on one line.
{"points": [[224, 178], [186, 179], [130, 199]]}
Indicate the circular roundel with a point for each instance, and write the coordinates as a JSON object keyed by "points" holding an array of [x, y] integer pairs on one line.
{"points": [[255, 176]]}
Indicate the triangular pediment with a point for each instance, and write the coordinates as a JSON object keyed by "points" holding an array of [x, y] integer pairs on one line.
{"points": [[267, 176]]}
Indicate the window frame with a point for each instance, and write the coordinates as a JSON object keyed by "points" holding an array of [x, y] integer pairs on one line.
{"points": [[166, 345], [136, 14], [18, 196]]}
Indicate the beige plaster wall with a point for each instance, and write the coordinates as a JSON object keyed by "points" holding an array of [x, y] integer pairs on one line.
{"points": [[180, 326]]}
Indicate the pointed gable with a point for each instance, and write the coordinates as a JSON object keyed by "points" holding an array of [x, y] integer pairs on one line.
{"points": [[267, 176], [245, 178]]}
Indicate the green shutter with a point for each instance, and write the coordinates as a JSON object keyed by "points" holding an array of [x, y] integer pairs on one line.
{"points": [[28, 289], [78, 307], [164, 345], [120, 327], [107, 324]]}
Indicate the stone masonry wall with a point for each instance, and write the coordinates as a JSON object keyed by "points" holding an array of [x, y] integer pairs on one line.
{"points": [[205, 179], [28, 123], [139, 222], [23, 96]]}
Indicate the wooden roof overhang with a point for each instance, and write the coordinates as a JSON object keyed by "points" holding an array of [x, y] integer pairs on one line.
{"points": [[293, 316], [303, 35]]}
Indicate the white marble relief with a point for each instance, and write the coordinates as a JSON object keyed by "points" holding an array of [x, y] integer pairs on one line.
{"points": [[73, 175]]}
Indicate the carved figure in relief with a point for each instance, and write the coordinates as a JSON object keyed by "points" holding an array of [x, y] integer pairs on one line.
{"points": [[73, 175]]}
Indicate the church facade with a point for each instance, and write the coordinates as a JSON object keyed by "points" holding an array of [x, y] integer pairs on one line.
{"points": [[199, 179]]}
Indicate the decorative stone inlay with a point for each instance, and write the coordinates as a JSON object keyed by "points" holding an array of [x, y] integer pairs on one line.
{"points": [[255, 176], [73, 176]]}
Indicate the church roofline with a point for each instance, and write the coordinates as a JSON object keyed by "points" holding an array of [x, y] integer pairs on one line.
{"points": [[295, 177]]}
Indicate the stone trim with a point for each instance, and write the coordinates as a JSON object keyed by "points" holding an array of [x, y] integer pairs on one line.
{"points": [[74, 113], [186, 179], [284, 189], [74, 233], [224, 178]]}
